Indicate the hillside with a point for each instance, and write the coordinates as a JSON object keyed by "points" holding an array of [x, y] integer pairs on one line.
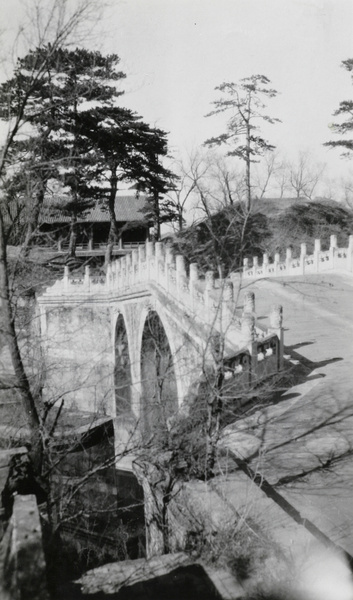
{"points": [[224, 239]]}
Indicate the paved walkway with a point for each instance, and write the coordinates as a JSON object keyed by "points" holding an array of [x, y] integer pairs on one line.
{"points": [[303, 445]]}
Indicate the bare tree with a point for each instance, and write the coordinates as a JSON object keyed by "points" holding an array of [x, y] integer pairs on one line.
{"points": [[227, 182], [270, 176], [190, 172], [304, 176], [346, 185]]}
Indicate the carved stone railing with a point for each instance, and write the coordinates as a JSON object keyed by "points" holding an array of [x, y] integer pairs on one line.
{"points": [[321, 261], [205, 300]]}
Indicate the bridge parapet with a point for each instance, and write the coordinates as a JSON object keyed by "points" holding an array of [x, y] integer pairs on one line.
{"points": [[153, 263], [321, 261], [212, 302]]}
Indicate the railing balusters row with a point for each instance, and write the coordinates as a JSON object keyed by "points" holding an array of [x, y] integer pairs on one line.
{"points": [[335, 259]]}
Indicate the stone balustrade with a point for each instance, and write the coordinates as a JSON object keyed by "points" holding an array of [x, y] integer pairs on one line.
{"points": [[155, 264], [321, 261], [204, 299]]}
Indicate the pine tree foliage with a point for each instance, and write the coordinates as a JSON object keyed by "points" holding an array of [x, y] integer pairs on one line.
{"points": [[345, 127], [124, 148]]}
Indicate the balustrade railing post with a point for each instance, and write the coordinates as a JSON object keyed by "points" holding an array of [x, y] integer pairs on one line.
{"points": [[141, 253], [317, 250], [245, 266], [227, 305], [118, 274], [276, 326], [249, 303], [332, 250], [66, 279], [134, 266], [169, 266], [169, 256], [149, 259], [123, 272], [288, 260], [265, 262], [159, 250], [350, 253], [108, 277], [87, 278], [209, 286], [276, 263], [193, 279], [142, 262], [248, 332], [159, 258], [302, 257], [180, 274], [128, 259]]}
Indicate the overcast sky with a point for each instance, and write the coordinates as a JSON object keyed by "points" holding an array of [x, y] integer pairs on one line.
{"points": [[175, 52]]}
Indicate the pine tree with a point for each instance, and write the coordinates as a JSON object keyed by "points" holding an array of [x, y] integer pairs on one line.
{"points": [[345, 128], [123, 148], [243, 101], [55, 147]]}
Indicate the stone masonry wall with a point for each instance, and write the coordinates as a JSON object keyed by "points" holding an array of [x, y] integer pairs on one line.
{"points": [[22, 562], [78, 356]]}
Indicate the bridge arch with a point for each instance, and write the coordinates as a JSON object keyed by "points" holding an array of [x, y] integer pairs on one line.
{"points": [[159, 389], [122, 368]]}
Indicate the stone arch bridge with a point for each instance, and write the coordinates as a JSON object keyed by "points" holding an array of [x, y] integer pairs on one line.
{"points": [[135, 343]]}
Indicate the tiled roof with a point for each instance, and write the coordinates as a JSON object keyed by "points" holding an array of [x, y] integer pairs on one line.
{"points": [[127, 208]]}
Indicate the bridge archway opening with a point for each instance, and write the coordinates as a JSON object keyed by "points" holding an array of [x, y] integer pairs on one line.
{"points": [[122, 370], [159, 397]]}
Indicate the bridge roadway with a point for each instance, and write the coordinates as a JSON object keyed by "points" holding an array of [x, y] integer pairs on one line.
{"points": [[303, 442]]}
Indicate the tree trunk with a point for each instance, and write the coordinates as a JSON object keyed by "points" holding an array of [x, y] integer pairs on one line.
{"points": [[180, 218], [156, 233], [113, 231], [113, 238], [157, 484], [214, 410], [33, 221], [247, 175], [73, 235], [21, 380]]}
